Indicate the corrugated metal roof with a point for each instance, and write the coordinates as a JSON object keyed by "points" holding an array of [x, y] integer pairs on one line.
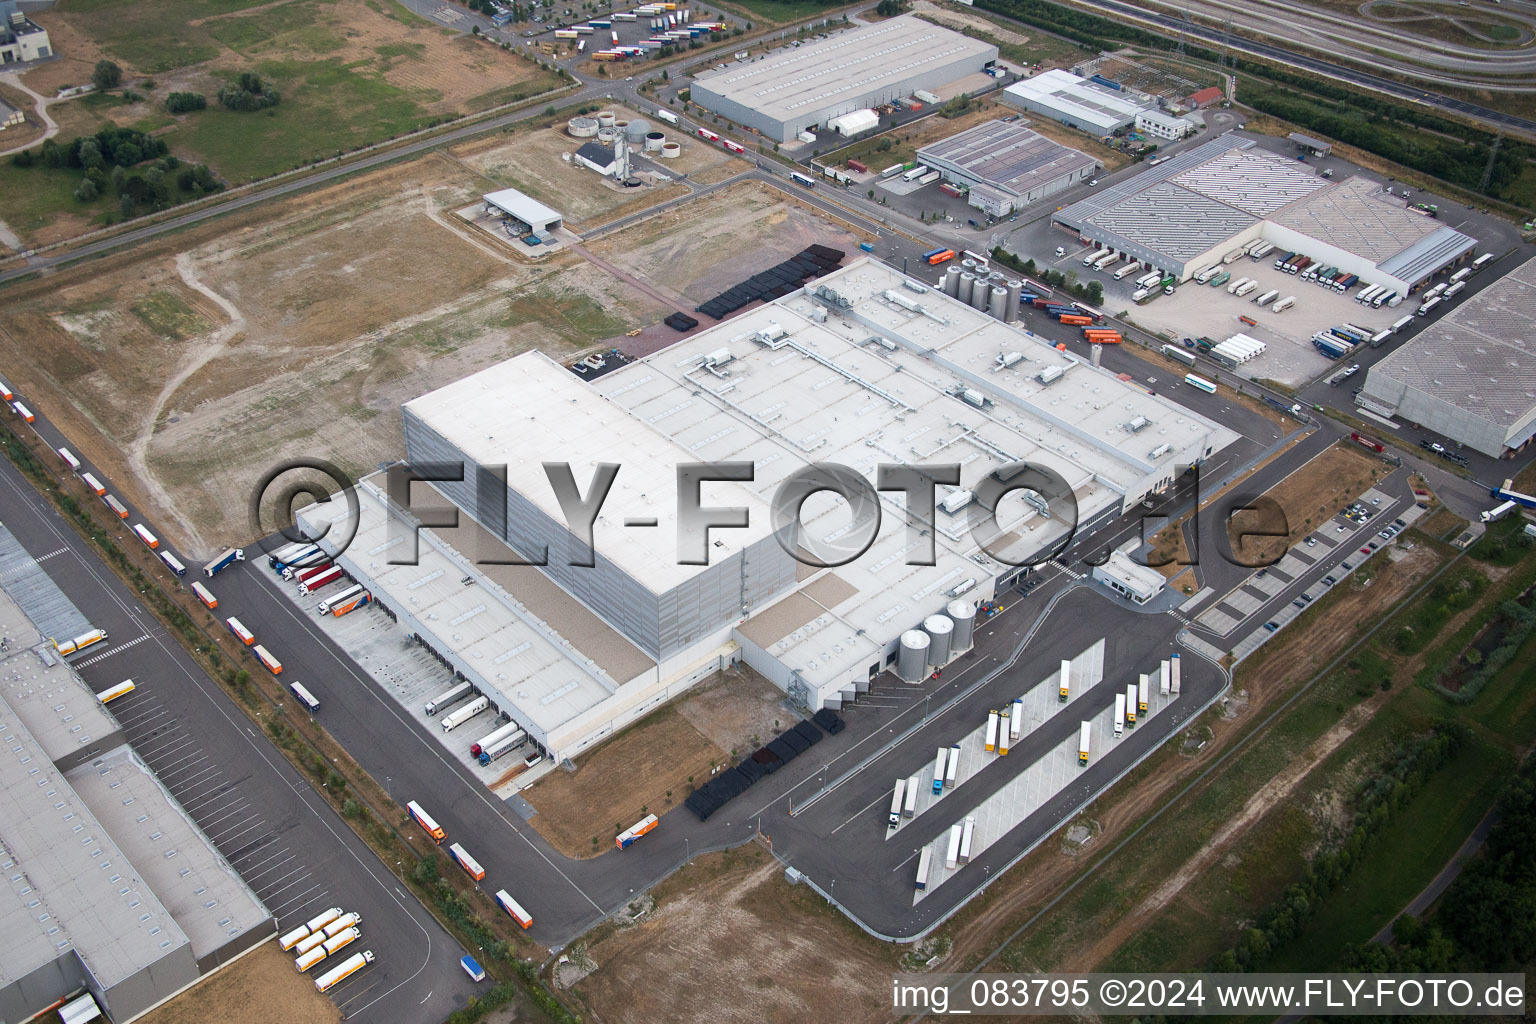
{"points": [[1085, 209], [1171, 220], [1479, 357], [40, 598], [1428, 255], [524, 207], [1010, 157], [1077, 98], [1252, 180], [1358, 217]]}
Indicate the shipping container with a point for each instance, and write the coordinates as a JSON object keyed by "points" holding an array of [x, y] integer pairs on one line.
{"points": [[268, 662], [626, 838], [242, 634], [426, 821], [111, 693], [462, 857], [341, 972], [116, 506], [453, 720], [513, 908]]}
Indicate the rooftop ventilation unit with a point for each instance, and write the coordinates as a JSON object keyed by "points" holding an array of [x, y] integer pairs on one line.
{"points": [[1138, 424], [1050, 375]]}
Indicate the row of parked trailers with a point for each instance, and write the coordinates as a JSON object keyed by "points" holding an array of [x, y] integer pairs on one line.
{"points": [[322, 937], [1135, 700]]}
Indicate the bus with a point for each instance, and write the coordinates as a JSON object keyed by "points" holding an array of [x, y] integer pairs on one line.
{"points": [[513, 908], [111, 694], [93, 484], [1200, 382], [305, 697], [802, 180], [173, 563], [471, 866], [265, 657], [242, 634], [734, 147], [148, 538], [422, 818], [70, 460], [115, 505], [705, 133], [205, 595], [941, 257], [81, 642]]}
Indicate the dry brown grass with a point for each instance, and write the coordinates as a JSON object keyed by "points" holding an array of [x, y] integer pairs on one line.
{"points": [[260, 986], [1308, 497]]}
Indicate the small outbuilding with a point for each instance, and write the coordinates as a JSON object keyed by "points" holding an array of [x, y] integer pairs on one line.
{"points": [[1307, 144], [509, 202]]}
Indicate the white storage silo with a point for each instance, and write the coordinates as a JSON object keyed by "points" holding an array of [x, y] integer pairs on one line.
{"points": [[967, 283], [582, 127], [952, 281], [998, 307], [963, 614], [940, 632], [653, 141], [980, 293], [1014, 288], [670, 150], [605, 118], [912, 656]]}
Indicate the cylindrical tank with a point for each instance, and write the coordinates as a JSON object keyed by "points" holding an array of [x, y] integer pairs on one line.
{"points": [[963, 614], [968, 265], [653, 141], [998, 306], [967, 282], [622, 127], [670, 150], [1014, 288], [940, 632], [582, 127], [980, 293], [636, 130], [605, 119], [952, 281], [607, 136], [912, 656]]}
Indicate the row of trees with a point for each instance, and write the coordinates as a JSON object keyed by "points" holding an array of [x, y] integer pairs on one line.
{"points": [[1092, 292], [1487, 919], [1378, 800], [107, 162]]}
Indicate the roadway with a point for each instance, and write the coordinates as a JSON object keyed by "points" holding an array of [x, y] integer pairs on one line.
{"points": [[264, 816]]}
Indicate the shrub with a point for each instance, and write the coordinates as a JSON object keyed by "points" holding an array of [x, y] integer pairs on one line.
{"points": [[248, 93], [107, 75], [184, 102]]}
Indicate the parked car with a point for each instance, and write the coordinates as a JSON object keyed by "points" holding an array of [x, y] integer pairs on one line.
{"points": [[1271, 626], [1329, 581]]}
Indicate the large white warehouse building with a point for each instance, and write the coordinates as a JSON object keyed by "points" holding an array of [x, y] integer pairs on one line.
{"points": [[863, 368], [798, 87]]}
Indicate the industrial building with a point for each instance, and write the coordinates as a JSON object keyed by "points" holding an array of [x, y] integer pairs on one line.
{"points": [[21, 38], [1206, 97], [1164, 126], [112, 889], [597, 157], [1129, 578], [1470, 375], [795, 88], [1007, 166], [1198, 206], [862, 367], [1075, 101], [524, 211]]}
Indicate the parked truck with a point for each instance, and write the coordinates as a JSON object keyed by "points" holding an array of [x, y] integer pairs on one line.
{"points": [[1065, 683], [897, 798], [909, 801], [1084, 733], [229, 557], [493, 737], [991, 745], [323, 578], [627, 838], [952, 768], [1130, 704], [1119, 714], [1267, 297], [1245, 288], [1284, 304], [1142, 296], [952, 853], [966, 835], [455, 719], [938, 771], [344, 970], [1143, 694], [1498, 512], [501, 747], [1235, 285]]}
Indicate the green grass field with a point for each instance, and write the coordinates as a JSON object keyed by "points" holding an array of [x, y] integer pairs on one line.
{"points": [[774, 12]]}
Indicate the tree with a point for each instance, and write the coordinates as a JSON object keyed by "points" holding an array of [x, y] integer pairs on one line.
{"points": [[52, 154], [187, 180], [184, 102], [23, 158], [119, 176], [87, 191], [127, 154], [125, 203], [106, 76], [90, 154]]}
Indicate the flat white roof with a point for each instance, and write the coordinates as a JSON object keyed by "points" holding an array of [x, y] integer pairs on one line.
{"points": [[1077, 98], [792, 81], [524, 207], [536, 669], [531, 410], [1141, 580]]}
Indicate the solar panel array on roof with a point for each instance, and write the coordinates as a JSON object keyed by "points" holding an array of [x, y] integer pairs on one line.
{"points": [[775, 282]]}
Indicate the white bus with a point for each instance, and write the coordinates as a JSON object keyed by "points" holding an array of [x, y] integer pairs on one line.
{"points": [[1200, 382], [305, 697]]}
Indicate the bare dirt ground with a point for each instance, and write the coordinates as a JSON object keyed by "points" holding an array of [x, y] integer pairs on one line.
{"points": [[1293, 657], [731, 941], [621, 781], [533, 162], [698, 250], [1308, 497], [299, 332], [955, 19], [739, 710], [260, 986]]}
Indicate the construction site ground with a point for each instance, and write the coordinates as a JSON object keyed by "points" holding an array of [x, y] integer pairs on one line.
{"points": [[731, 941], [699, 250], [653, 765], [1307, 498], [191, 368], [261, 986]]}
